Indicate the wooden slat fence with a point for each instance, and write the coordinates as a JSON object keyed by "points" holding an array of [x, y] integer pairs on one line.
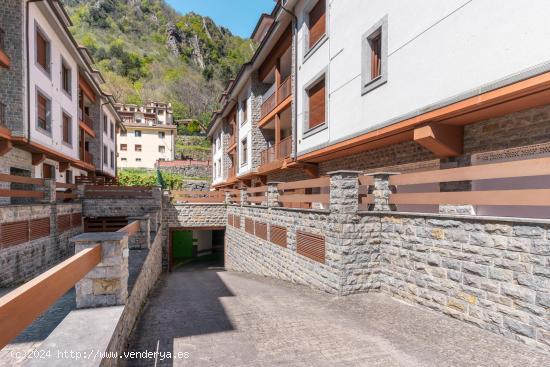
{"points": [[33, 190], [198, 196], [256, 195], [506, 170], [65, 191], [108, 192], [305, 194]]}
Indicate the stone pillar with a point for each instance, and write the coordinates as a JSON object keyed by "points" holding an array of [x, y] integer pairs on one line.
{"points": [[273, 194], [382, 191], [244, 196], [344, 191], [141, 239], [49, 191], [227, 197], [107, 283], [80, 191]]}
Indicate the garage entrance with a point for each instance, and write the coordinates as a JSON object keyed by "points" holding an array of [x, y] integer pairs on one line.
{"points": [[197, 244]]}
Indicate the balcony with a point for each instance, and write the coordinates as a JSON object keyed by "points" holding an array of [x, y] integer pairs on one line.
{"points": [[275, 154], [86, 123], [88, 158], [278, 96]]}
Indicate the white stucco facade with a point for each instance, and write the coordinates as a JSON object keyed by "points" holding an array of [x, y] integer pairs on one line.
{"points": [[156, 143], [436, 50], [244, 127]]}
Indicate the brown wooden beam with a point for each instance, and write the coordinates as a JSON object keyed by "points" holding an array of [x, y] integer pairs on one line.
{"points": [[63, 166], [442, 140], [5, 147], [38, 158], [312, 170]]}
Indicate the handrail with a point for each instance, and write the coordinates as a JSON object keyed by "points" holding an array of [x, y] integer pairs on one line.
{"points": [[131, 228], [284, 90], [20, 307]]}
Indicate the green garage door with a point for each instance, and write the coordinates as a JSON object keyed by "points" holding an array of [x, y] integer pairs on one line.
{"points": [[182, 244]]}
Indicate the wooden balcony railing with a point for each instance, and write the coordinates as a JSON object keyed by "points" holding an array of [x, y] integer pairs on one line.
{"points": [[88, 158], [268, 105], [65, 191], [86, 119], [285, 147], [270, 154], [285, 90]]}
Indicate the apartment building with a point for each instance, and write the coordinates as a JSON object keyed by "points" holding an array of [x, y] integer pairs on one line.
{"points": [[149, 135], [51, 101], [373, 86]]}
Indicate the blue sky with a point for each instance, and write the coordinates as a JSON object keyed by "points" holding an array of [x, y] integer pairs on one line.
{"points": [[240, 16]]}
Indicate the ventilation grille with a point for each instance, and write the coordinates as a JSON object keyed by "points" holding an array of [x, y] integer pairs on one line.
{"points": [[63, 222], [249, 225], [230, 219], [40, 228], [278, 235], [310, 245], [76, 220], [261, 230], [236, 221], [14, 233]]}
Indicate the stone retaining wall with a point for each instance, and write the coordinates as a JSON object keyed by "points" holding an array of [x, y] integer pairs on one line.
{"points": [[491, 273], [147, 278], [22, 262]]}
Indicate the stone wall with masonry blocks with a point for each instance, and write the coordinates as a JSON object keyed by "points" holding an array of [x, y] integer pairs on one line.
{"points": [[29, 246], [491, 273]]}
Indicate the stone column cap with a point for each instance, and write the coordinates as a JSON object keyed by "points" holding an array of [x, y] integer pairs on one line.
{"points": [[382, 173], [344, 171], [99, 236]]}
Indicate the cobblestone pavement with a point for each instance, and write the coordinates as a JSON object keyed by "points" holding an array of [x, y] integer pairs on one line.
{"points": [[233, 319], [29, 340]]}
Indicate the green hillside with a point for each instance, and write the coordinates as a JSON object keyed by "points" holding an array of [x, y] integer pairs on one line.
{"points": [[147, 51]]}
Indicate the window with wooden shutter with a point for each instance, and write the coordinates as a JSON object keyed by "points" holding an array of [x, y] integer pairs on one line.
{"points": [[278, 235], [317, 22], [43, 113], [42, 51], [67, 131], [124, 147], [105, 155], [316, 104], [376, 57], [311, 246], [66, 78], [138, 147]]}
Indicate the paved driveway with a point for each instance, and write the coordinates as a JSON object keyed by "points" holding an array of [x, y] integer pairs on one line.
{"points": [[217, 318]]}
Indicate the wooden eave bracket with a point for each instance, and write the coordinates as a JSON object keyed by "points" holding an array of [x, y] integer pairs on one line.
{"points": [[38, 158], [311, 169], [442, 140], [5, 147], [63, 166]]}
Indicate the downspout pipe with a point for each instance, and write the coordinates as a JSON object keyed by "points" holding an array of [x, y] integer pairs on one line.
{"points": [[295, 72]]}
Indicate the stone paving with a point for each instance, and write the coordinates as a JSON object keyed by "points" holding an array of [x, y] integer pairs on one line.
{"points": [[15, 353], [234, 319]]}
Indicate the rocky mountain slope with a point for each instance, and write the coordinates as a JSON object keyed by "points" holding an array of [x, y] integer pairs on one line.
{"points": [[147, 51]]}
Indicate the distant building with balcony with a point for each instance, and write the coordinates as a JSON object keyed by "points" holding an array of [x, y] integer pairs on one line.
{"points": [[52, 105], [149, 135]]}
